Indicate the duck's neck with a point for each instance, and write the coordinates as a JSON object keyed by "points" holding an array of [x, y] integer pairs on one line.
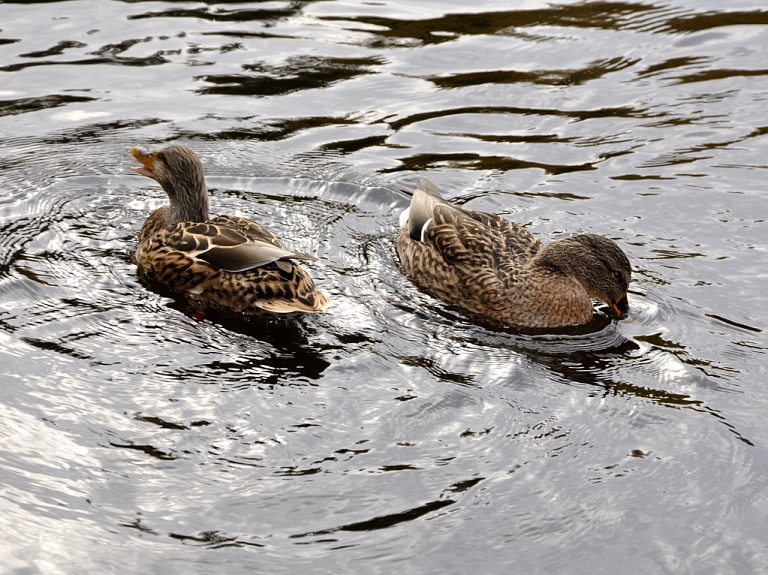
{"points": [[197, 212], [188, 205]]}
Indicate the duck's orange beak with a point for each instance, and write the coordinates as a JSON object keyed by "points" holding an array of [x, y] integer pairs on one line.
{"points": [[147, 160]]}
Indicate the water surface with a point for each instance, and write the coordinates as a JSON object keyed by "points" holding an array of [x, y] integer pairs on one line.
{"points": [[391, 434]]}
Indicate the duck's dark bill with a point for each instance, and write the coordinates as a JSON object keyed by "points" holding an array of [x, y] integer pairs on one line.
{"points": [[620, 308]]}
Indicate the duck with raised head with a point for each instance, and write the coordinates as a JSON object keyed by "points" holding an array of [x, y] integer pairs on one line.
{"points": [[227, 262], [490, 267]]}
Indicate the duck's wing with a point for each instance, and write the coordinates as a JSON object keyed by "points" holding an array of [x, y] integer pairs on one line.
{"points": [[465, 236], [250, 229], [232, 244]]}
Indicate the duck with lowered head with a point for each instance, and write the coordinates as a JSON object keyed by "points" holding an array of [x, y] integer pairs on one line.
{"points": [[227, 262], [490, 267]]}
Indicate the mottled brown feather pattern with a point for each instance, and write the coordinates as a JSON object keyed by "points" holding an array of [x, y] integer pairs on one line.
{"points": [[491, 267], [227, 262]]}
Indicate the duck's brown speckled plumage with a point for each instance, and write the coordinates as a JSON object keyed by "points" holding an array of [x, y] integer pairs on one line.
{"points": [[493, 268], [227, 262]]}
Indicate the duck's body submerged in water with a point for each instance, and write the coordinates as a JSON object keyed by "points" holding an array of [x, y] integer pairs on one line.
{"points": [[226, 262], [493, 268]]}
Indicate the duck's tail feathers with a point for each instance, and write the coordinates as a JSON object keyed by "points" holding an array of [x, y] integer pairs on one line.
{"points": [[419, 215]]}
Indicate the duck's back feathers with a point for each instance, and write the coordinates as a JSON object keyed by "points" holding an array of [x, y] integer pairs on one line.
{"points": [[464, 237]]}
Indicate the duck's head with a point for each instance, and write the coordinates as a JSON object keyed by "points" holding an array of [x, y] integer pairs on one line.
{"points": [[598, 264], [179, 171]]}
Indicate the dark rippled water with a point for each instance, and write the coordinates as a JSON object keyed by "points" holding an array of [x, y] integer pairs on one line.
{"points": [[391, 434]]}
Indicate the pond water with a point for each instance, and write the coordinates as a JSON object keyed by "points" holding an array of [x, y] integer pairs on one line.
{"points": [[391, 433]]}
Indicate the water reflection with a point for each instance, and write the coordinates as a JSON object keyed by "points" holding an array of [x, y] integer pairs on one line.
{"points": [[298, 73], [591, 15], [237, 14], [592, 71], [600, 356], [26, 105], [288, 357]]}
